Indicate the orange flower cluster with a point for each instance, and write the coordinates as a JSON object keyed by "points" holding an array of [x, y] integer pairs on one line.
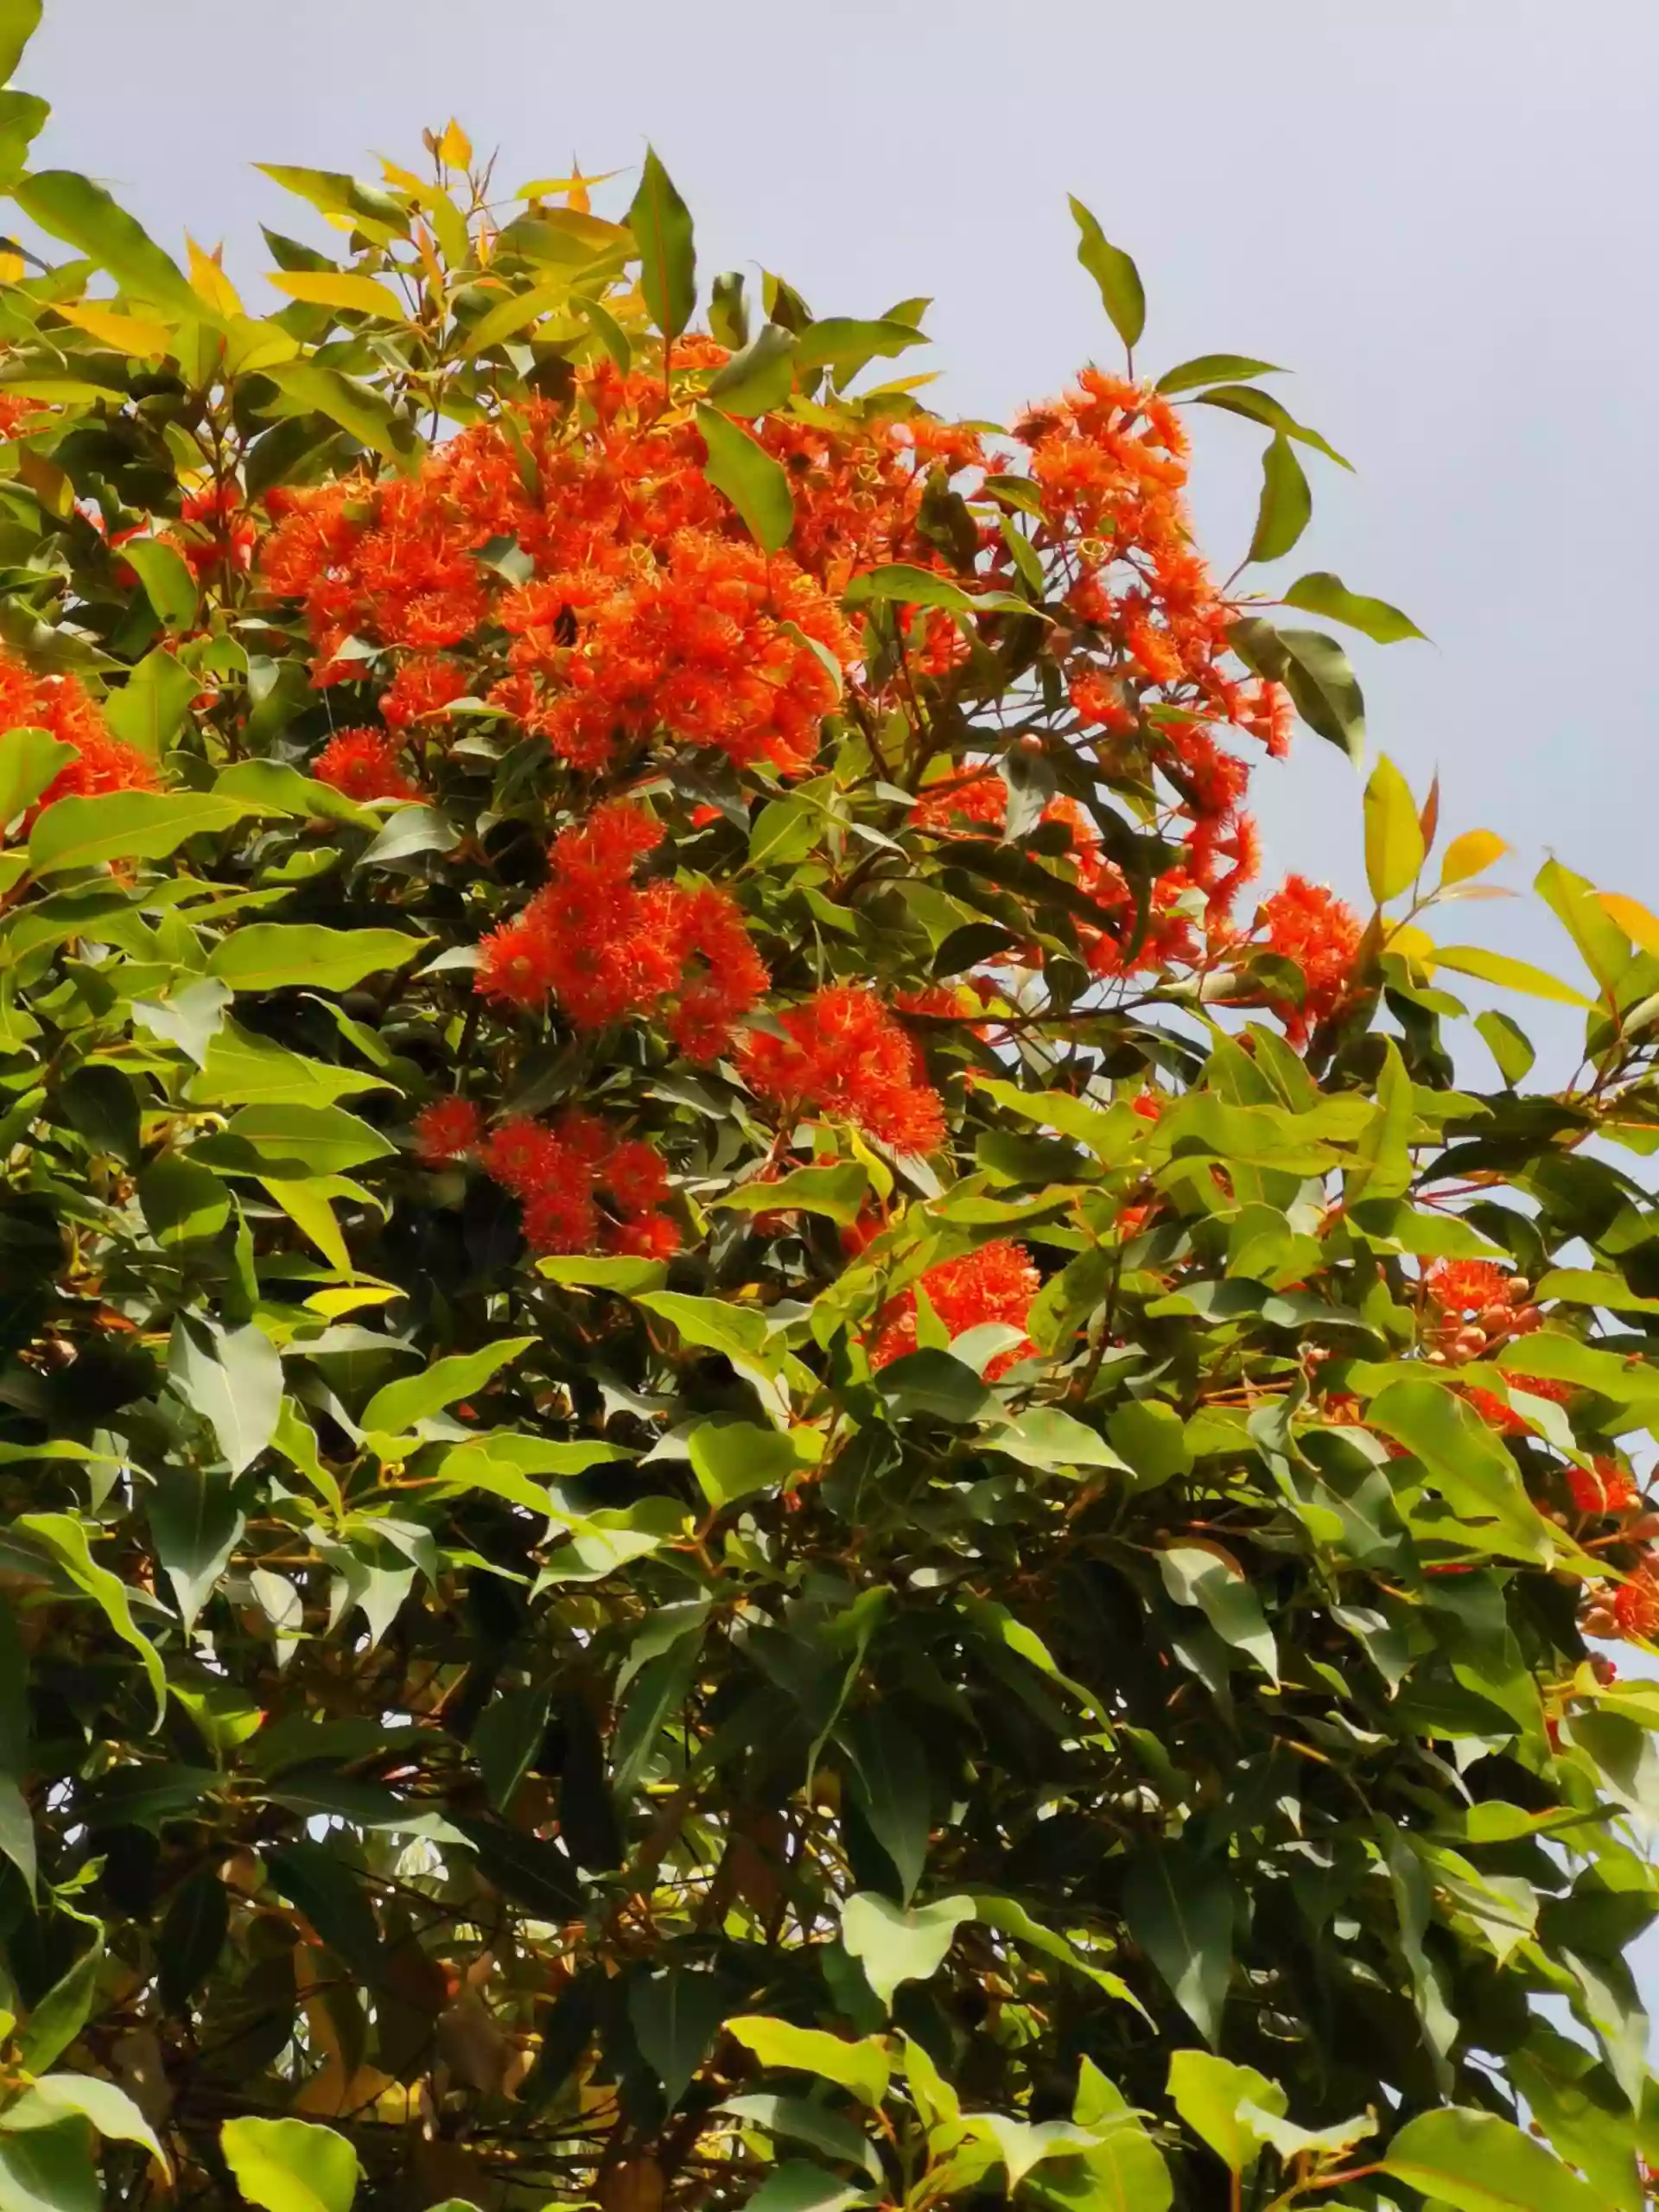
{"points": [[647, 609], [58, 704], [1309, 925], [604, 946], [996, 1283], [842, 1053], [560, 1175]]}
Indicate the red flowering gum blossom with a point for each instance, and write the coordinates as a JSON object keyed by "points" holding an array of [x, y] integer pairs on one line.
{"points": [[1308, 925], [842, 1053], [449, 1128], [604, 946], [59, 705], [996, 1283], [559, 1175], [1602, 1487], [362, 765]]}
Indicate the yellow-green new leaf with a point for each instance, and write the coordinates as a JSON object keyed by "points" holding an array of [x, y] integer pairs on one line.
{"points": [[290, 2165], [323, 288], [1394, 848], [1471, 854], [399, 1405], [1510, 974], [862, 2067]]}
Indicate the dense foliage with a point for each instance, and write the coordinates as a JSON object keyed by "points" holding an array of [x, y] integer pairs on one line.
{"points": [[755, 1448]]}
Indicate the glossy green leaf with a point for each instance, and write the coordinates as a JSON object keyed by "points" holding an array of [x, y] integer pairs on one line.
{"points": [[1321, 683], [1321, 592], [1286, 504], [280, 956], [862, 2067], [1213, 368], [760, 377], [1121, 291], [1179, 1907], [19, 21], [124, 826], [168, 585], [1478, 2162], [756, 485], [661, 224], [233, 1378], [894, 1946], [417, 1397], [82, 213], [29, 758]]}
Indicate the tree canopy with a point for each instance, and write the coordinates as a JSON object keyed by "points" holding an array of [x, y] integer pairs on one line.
{"points": [[756, 1448]]}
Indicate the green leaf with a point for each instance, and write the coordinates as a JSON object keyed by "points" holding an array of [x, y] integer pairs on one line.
{"points": [[168, 585], [196, 1523], [894, 1946], [934, 1384], [19, 21], [1602, 943], [65, 1539], [1508, 1045], [1394, 845], [758, 379], [1321, 592], [284, 1141], [271, 787], [83, 215], [914, 587], [1047, 1437], [149, 709], [756, 485], [890, 1768], [308, 389], [190, 1017], [22, 118], [290, 2165], [1178, 1908], [313, 1876], [675, 2016], [732, 1459], [1125, 2170], [240, 1068], [795, 2185], [839, 339], [58, 2097], [192, 1935], [1119, 280], [280, 956], [1262, 407], [1195, 1577], [1285, 506], [333, 193], [1509, 974], [29, 758], [124, 826], [1208, 2092], [234, 1379], [55, 2023], [661, 223], [1478, 2162], [838, 1193], [398, 1407], [805, 2120], [626, 1277], [17, 1831], [1152, 1440], [1465, 1461], [1323, 688], [862, 2067], [1210, 368], [50, 2169]]}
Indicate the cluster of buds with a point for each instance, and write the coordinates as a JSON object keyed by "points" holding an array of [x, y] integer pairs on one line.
{"points": [[1472, 1307]]}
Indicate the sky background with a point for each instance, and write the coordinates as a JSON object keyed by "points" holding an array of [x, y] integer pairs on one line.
{"points": [[1442, 214]]}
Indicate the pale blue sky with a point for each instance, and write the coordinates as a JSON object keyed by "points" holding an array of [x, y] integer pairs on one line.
{"points": [[1443, 214]]}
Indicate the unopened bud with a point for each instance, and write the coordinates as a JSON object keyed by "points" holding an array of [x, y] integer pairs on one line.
{"points": [[1517, 1290]]}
